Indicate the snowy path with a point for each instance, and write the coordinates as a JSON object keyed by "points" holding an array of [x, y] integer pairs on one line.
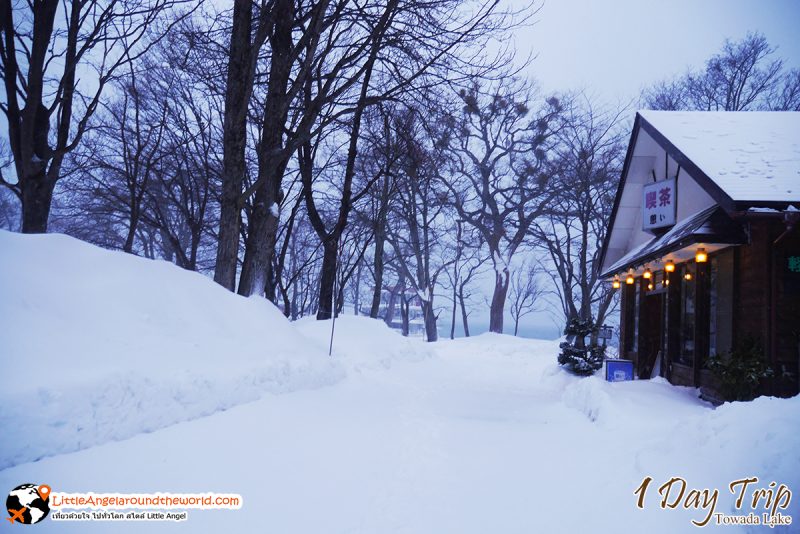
{"points": [[481, 437]]}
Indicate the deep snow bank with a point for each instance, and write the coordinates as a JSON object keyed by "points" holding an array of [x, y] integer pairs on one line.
{"points": [[98, 345]]}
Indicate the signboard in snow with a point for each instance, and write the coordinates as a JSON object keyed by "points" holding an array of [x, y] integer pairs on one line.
{"points": [[619, 370], [605, 332], [658, 204]]}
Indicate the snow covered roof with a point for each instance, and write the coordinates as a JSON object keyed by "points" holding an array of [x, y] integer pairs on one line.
{"points": [[734, 160], [749, 155]]}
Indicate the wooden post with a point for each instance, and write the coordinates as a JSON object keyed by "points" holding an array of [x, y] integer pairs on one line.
{"points": [[673, 322]]}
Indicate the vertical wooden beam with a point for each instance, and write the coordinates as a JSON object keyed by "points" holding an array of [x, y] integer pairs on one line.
{"points": [[641, 322], [673, 322], [623, 320]]}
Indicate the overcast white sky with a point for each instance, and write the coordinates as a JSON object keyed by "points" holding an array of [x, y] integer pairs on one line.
{"points": [[615, 48]]}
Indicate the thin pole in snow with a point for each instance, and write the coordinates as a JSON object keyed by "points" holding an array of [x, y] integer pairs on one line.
{"points": [[333, 327], [333, 317]]}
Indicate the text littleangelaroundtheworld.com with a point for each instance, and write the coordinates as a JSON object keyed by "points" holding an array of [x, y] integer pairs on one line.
{"points": [[153, 500]]}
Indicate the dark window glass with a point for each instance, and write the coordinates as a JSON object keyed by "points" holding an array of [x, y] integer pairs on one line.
{"points": [[720, 300], [687, 281]]}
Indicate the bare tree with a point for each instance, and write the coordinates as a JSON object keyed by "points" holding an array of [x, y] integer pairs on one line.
{"points": [[465, 291], [330, 237], [382, 151], [500, 184], [420, 216], [468, 261], [744, 75], [123, 152], [48, 105], [786, 95], [525, 293], [328, 62], [355, 242], [300, 275], [587, 162], [146, 172]]}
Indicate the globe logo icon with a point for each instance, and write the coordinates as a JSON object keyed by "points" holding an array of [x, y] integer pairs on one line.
{"points": [[27, 503]]}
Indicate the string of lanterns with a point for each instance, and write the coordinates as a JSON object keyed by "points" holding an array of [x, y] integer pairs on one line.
{"points": [[700, 256]]}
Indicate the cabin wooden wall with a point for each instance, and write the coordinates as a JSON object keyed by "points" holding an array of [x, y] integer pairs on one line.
{"points": [[751, 285], [765, 306]]}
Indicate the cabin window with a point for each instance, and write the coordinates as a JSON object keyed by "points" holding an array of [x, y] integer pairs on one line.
{"points": [[720, 300], [687, 281]]}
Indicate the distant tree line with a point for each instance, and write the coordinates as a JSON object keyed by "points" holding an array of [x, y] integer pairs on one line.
{"points": [[746, 75]]}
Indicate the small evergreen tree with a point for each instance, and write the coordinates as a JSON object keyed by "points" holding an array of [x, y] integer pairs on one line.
{"points": [[575, 355], [741, 370]]}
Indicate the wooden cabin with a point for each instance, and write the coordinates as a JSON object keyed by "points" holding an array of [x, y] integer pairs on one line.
{"points": [[704, 244]]}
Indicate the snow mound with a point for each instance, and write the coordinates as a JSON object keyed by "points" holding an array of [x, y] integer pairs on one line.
{"points": [[364, 343], [616, 404], [100, 345]]}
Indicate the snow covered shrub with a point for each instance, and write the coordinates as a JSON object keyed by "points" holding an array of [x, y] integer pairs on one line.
{"points": [[575, 355], [740, 370]]}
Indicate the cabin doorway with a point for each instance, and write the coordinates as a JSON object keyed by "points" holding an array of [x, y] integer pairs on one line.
{"points": [[651, 333]]}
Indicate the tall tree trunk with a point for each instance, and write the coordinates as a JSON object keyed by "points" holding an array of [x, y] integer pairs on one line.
{"points": [[391, 304], [234, 141], [404, 305], [131, 235], [380, 243], [327, 279], [294, 300], [453, 315], [270, 287], [498, 301], [375, 308], [464, 315], [455, 279], [37, 196], [429, 316], [257, 255], [194, 246], [357, 296], [463, 305], [272, 157], [337, 310]]}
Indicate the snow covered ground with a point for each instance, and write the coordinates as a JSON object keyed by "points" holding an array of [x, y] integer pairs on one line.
{"points": [[161, 382]]}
